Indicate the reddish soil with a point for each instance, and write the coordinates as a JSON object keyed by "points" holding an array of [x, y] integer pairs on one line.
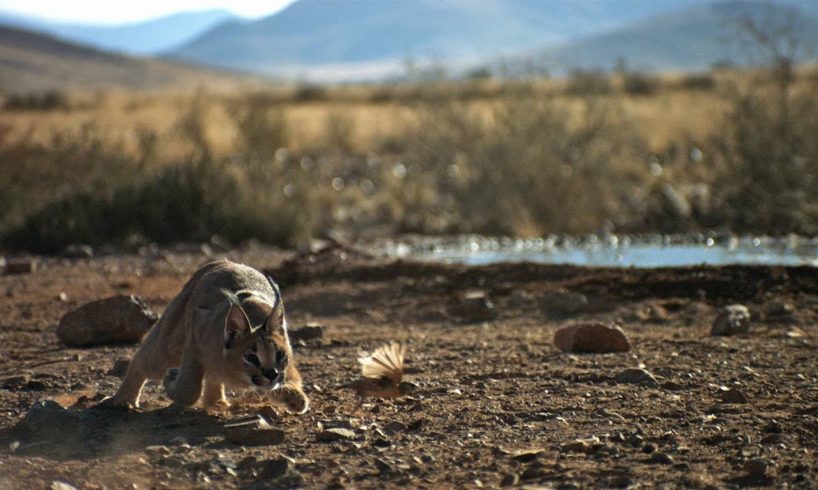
{"points": [[496, 403]]}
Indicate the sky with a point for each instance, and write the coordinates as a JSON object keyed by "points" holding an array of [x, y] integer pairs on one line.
{"points": [[108, 12]]}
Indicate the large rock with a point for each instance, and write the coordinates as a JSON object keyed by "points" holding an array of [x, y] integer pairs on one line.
{"points": [[119, 319], [732, 320], [591, 337]]}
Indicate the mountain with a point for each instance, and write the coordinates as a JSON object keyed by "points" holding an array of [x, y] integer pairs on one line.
{"points": [[141, 38], [690, 39], [325, 34], [32, 62]]}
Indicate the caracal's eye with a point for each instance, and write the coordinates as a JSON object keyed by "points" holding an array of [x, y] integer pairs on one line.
{"points": [[280, 356], [252, 359]]}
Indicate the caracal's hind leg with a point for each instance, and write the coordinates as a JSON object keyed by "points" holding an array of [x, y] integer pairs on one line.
{"points": [[213, 397], [184, 386]]}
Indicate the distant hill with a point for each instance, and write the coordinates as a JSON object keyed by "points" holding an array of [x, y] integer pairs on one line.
{"points": [[694, 38], [316, 34], [31, 62], [143, 38]]}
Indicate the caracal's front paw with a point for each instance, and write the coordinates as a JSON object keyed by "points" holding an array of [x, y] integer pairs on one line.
{"points": [[293, 399]]}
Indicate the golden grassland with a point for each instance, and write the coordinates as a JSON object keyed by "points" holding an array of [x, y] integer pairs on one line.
{"points": [[670, 153]]}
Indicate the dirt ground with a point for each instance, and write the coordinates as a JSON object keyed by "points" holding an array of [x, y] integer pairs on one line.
{"points": [[497, 403]]}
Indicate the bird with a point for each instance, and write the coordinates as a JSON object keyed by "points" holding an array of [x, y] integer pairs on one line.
{"points": [[382, 373]]}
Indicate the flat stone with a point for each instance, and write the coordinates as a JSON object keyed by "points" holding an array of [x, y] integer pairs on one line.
{"points": [[114, 320], [252, 431], [731, 320], [636, 376], [591, 338], [335, 434]]}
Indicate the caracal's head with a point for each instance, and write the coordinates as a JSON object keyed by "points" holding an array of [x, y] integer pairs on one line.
{"points": [[256, 347]]}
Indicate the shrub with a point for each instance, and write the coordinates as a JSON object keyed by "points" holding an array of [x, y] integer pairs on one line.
{"points": [[582, 82], [187, 202]]}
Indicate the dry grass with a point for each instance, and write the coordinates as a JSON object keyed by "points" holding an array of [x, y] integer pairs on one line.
{"points": [[523, 158]]}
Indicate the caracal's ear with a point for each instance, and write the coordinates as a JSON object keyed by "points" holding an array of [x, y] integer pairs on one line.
{"points": [[236, 322], [276, 320]]}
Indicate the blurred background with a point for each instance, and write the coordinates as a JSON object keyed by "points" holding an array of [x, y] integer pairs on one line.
{"points": [[357, 120]]}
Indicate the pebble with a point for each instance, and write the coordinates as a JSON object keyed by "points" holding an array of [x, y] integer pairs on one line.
{"points": [[252, 431], [118, 319], [636, 376], [731, 320], [335, 434], [733, 396], [591, 337]]}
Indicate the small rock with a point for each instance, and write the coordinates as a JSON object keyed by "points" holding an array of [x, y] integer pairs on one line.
{"points": [[510, 480], [473, 307], [335, 434], [119, 319], [772, 427], [755, 468], [660, 458], [591, 337], [733, 396], [307, 332], [20, 265], [649, 448], [273, 468], [252, 431], [636, 376], [731, 320]]}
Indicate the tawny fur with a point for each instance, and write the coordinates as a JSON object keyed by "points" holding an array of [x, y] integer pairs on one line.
{"points": [[226, 314]]}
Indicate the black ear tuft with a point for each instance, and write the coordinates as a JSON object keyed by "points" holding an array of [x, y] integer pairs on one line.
{"points": [[275, 289]]}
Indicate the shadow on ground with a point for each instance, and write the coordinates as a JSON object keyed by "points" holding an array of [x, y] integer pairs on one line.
{"points": [[51, 431]]}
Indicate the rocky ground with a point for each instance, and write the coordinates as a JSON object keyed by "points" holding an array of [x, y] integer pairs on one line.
{"points": [[497, 403]]}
